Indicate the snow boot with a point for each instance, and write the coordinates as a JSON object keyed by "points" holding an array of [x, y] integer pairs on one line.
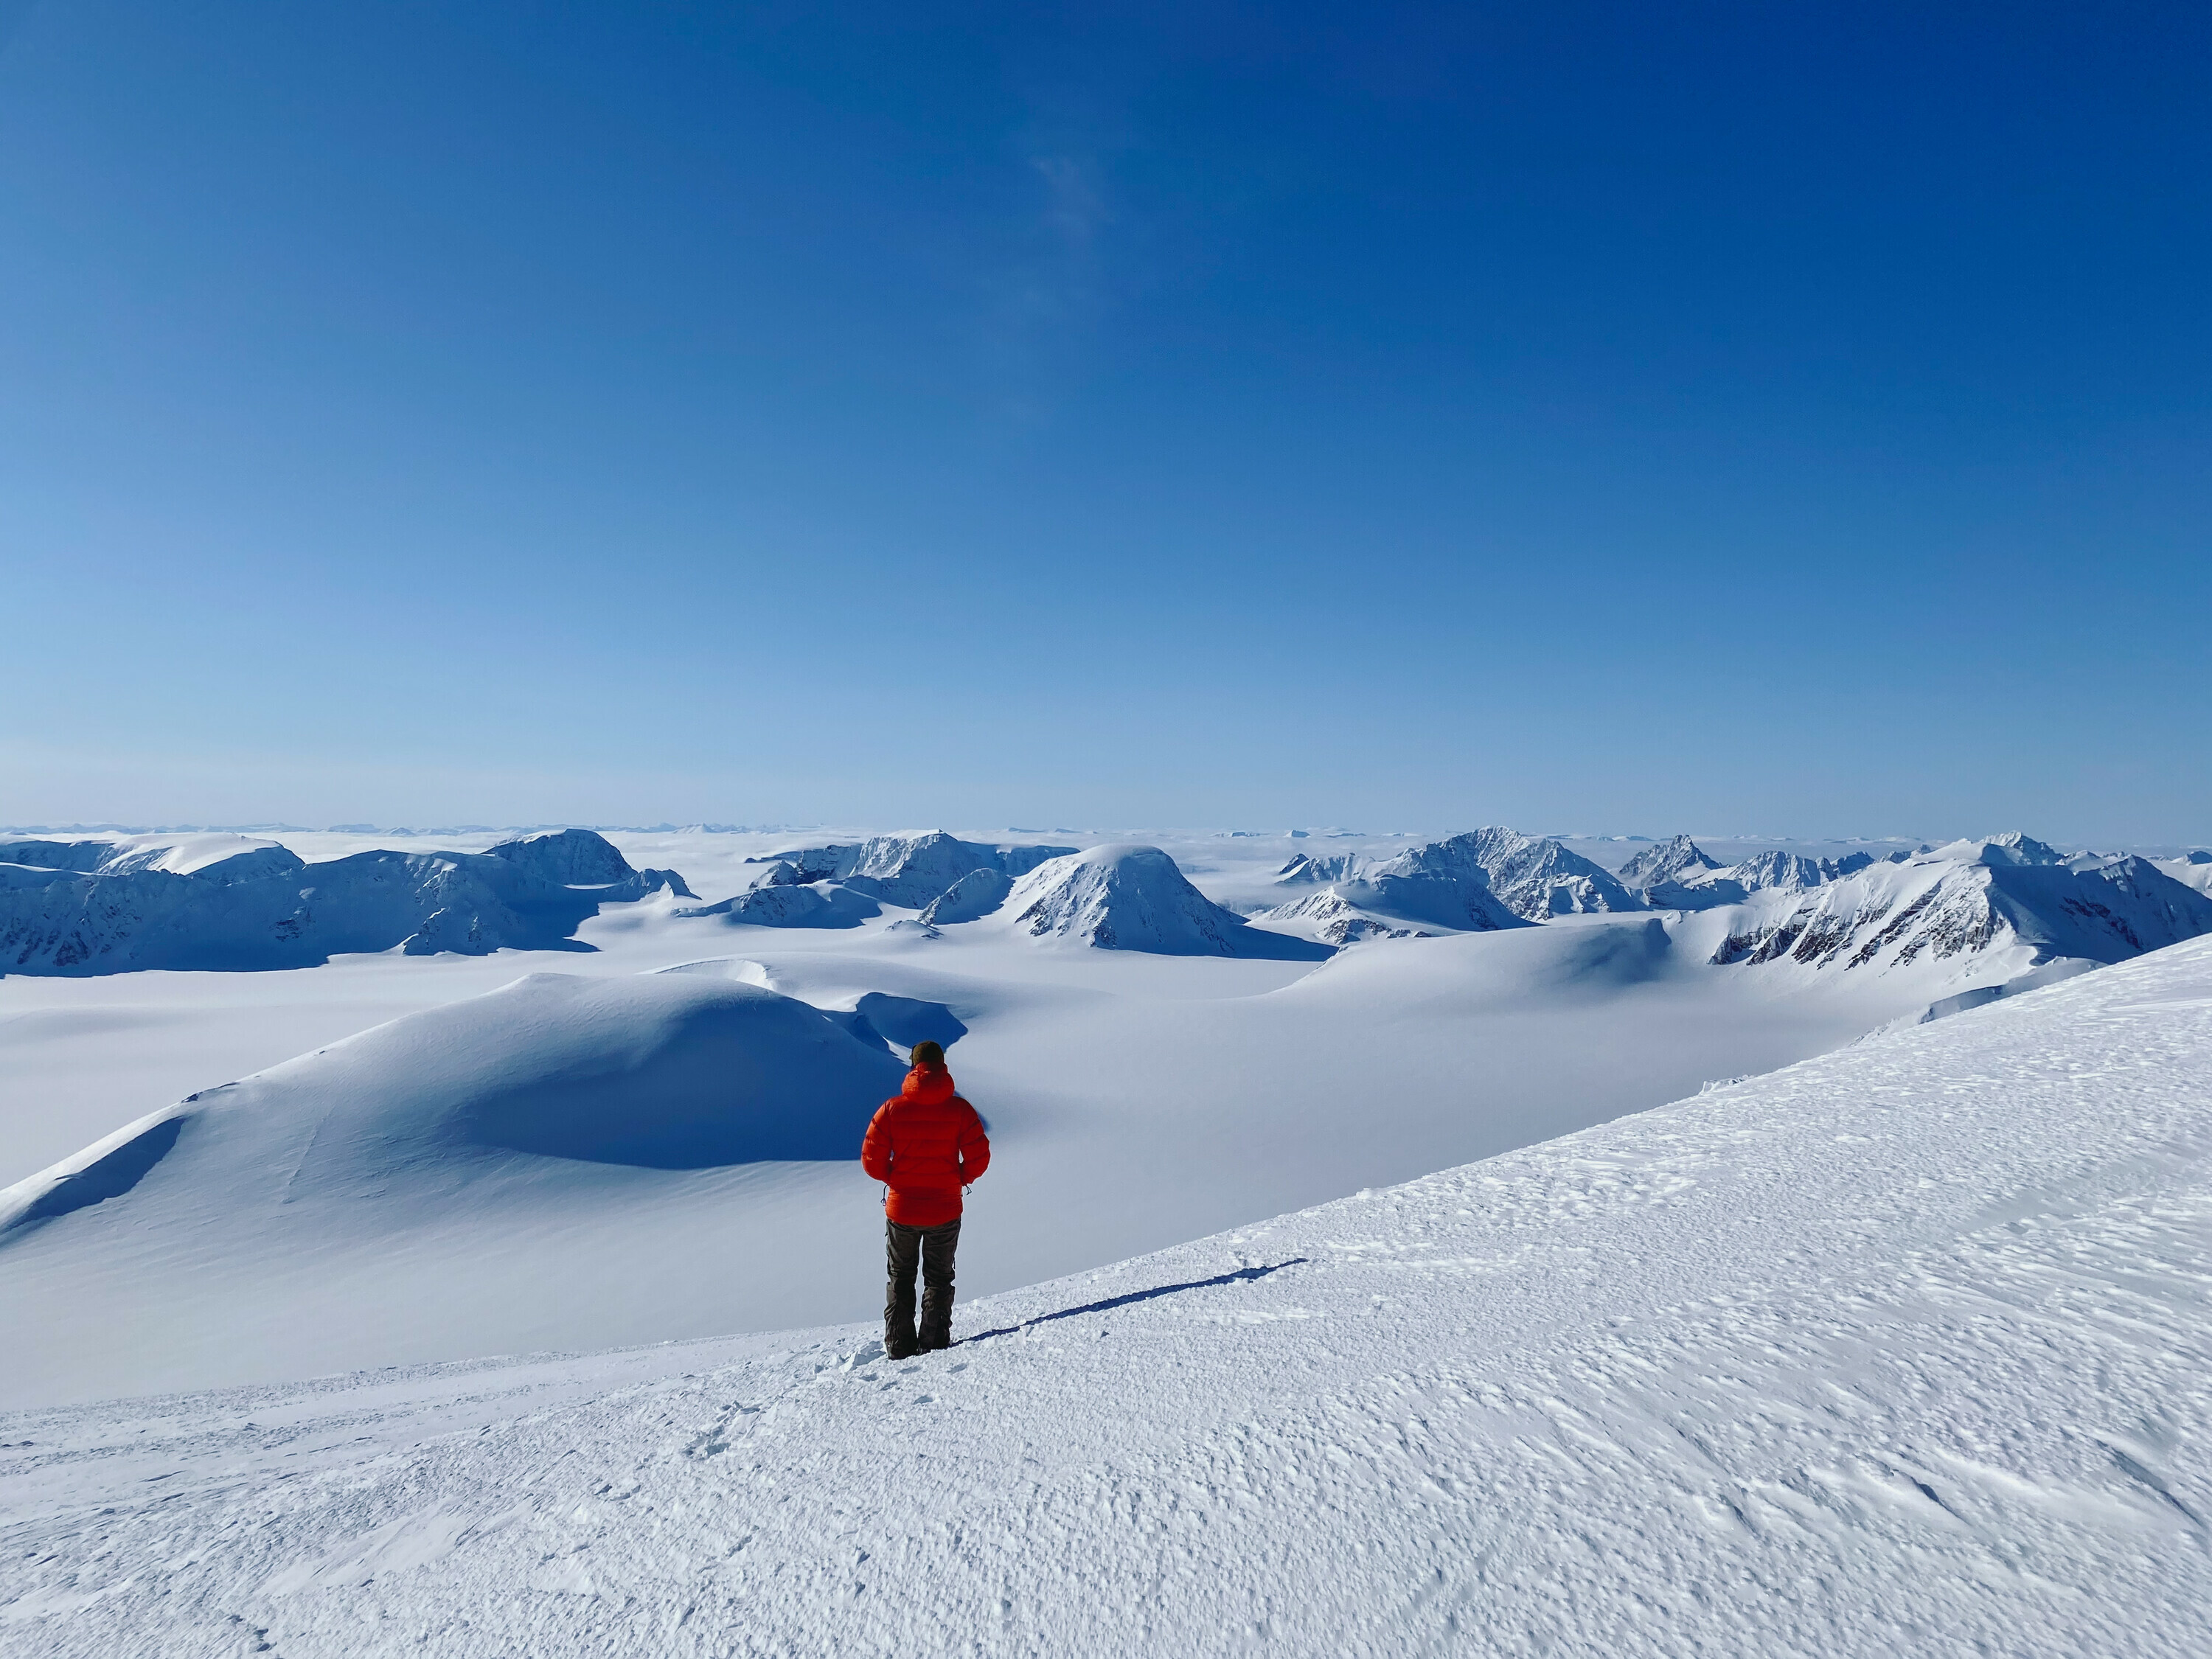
{"points": [[936, 1317], [899, 1339]]}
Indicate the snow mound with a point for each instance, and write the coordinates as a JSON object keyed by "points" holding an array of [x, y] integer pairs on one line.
{"points": [[230, 903], [657, 1071], [1128, 897]]}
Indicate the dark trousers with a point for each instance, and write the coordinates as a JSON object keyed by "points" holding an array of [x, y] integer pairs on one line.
{"points": [[930, 1249]]}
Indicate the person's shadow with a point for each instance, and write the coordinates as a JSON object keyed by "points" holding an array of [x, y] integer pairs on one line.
{"points": [[1135, 1295]]}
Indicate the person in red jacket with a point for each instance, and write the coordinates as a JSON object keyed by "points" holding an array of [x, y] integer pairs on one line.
{"points": [[927, 1144]]}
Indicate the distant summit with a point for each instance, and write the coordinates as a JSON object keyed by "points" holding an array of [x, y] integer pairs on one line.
{"points": [[1482, 879], [1128, 897], [2007, 893], [908, 870], [1668, 861]]}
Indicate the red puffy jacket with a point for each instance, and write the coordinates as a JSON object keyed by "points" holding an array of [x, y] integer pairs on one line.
{"points": [[926, 1144]]}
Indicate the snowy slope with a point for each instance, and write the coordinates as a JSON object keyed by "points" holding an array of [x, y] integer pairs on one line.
{"points": [[1898, 1351], [231, 903]]}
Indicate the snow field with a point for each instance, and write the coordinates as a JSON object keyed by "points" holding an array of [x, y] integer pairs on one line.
{"points": [[1902, 1349]]}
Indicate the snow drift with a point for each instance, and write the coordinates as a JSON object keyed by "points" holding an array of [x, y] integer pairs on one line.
{"points": [[661, 1071], [1128, 897], [230, 903]]}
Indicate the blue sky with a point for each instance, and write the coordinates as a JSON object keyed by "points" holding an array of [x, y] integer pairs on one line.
{"points": [[1792, 419]]}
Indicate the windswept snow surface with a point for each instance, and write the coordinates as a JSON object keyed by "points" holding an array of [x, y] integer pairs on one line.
{"points": [[1901, 1350]]}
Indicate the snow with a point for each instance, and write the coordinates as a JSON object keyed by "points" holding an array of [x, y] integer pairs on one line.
{"points": [[1128, 897], [1483, 878], [1137, 1098], [2192, 869], [974, 896], [1901, 1349], [776, 904], [2006, 902], [234, 904], [912, 870], [1667, 861]]}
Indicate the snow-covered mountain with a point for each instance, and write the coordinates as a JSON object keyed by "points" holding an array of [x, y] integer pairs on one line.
{"points": [[909, 871], [1669, 860], [1336, 917], [975, 895], [230, 902], [1128, 897], [779, 903], [1898, 1351], [2001, 906], [1482, 879], [2192, 869]]}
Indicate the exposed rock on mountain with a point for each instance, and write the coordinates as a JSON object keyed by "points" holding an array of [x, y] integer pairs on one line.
{"points": [[228, 902], [1133, 898]]}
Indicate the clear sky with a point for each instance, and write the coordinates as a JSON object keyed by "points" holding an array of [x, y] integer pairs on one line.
{"points": [[1784, 418]]}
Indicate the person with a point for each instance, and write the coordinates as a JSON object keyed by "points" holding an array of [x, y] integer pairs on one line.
{"points": [[927, 1145]]}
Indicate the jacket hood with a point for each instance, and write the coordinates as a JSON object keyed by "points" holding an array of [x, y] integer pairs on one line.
{"points": [[929, 1084]]}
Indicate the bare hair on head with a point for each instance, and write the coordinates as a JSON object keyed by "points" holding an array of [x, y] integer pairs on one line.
{"points": [[928, 1053]]}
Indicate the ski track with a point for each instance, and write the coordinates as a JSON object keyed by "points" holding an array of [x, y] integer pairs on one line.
{"points": [[1903, 1349]]}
